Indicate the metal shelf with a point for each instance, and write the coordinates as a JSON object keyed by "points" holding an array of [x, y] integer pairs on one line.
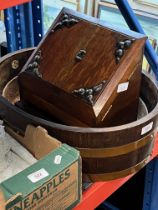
{"points": [[24, 25], [10, 3]]}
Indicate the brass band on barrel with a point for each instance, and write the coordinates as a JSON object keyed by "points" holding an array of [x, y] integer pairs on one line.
{"points": [[115, 151], [118, 174]]}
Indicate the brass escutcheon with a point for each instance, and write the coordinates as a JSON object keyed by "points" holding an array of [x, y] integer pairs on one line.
{"points": [[80, 55]]}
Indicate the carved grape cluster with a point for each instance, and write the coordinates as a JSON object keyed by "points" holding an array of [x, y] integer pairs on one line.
{"points": [[121, 47], [66, 21], [88, 93], [33, 67]]}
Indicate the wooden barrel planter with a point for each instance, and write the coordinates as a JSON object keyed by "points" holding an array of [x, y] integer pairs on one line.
{"points": [[107, 153]]}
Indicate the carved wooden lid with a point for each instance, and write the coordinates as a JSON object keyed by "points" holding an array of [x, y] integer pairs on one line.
{"points": [[77, 61]]}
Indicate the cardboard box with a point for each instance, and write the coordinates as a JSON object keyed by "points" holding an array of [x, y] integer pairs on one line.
{"points": [[53, 183]]}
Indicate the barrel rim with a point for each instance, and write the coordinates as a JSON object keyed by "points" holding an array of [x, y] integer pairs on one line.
{"points": [[77, 129]]}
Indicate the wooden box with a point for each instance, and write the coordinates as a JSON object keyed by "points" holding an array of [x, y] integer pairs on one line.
{"points": [[84, 72]]}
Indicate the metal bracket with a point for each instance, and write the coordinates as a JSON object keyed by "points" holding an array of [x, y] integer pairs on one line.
{"points": [[66, 21], [121, 47], [88, 93], [33, 67]]}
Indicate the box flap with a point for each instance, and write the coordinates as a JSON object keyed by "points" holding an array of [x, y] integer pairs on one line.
{"points": [[36, 140]]}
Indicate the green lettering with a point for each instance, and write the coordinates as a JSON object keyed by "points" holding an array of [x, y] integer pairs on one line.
{"points": [[49, 185], [67, 173], [55, 183], [26, 203], [35, 198], [61, 178], [42, 190]]}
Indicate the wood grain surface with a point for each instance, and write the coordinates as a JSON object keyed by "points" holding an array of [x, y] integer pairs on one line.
{"points": [[127, 136], [62, 73]]}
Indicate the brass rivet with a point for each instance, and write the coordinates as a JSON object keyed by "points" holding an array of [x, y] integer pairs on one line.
{"points": [[89, 91], [37, 58], [36, 71], [118, 59], [15, 64], [30, 66], [119, 52], [65, 16], [35, 64], [121, 45], [127, 43]]}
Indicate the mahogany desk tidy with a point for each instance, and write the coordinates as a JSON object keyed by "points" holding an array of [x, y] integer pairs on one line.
{"points": [[84, 72]]}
